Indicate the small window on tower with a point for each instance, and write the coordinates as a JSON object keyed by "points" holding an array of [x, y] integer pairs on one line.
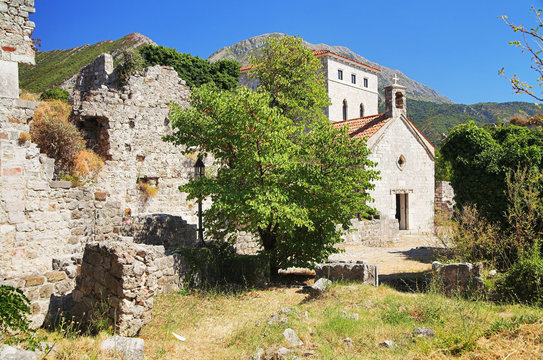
{"points": [[353, 78], [365, 82], [340, 74]]}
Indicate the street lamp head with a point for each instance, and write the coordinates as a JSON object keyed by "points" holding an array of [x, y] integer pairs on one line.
{"points": [[199, 169]]}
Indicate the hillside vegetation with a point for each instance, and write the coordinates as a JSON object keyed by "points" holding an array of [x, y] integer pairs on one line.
{"points": [[55, 68], [435, 119]]}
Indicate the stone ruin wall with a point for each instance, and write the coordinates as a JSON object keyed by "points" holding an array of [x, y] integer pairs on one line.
{"points": [[444, 199], [119, 280], [15, 43], [45, 224]]}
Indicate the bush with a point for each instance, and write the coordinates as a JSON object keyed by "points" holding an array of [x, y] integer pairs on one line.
{"points": [[56, 136], [14, 310], [475, 239], [55, 94], [23, 137], [132, 61], [86, 165], [524, 280]]}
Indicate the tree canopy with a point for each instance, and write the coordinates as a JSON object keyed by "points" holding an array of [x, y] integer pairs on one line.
{"points": [[293, 184], [194, 70], [481, 158]]}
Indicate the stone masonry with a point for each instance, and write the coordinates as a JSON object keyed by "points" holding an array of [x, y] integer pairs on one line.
{"points": [[359, 271], [15, 43], [44, 222], [444, 198], [459, 277], [119, 279]]}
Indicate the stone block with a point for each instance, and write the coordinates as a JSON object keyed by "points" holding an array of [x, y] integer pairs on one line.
{"points": [[9, 79], [34, 280], [46, 291], [55, 276], [359, 271], [60, 184], [100, 196]]}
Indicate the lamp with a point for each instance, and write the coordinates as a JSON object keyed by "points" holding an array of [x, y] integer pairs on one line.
{"points": [[199, 172]]}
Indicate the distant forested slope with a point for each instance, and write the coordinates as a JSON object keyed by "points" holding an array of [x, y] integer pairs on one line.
{"points": [[434, 119]]}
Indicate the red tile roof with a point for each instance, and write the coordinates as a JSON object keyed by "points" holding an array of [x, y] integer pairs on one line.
{"points": [[364, 127], [321, 52]]}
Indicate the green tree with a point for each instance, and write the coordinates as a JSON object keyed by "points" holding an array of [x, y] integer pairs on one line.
{"points": [[294, 184], [194, 70], [293, 77], [481, 158]]}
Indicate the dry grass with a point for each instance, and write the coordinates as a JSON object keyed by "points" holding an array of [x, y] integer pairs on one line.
{"points": [[233, 326], [25, 95]]}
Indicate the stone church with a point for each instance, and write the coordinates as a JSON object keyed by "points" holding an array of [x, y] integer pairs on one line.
{"points": [[404, 196]]}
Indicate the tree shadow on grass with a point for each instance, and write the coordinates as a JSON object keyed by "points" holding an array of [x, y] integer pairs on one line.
{"points": [[414, 282]]}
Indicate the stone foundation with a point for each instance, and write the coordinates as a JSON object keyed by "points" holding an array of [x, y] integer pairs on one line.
{"points": [[459, 277], [119, 280], [359, 271]]}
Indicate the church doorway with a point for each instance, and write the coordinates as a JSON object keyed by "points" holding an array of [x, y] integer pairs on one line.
{"points": [[402, 210]]}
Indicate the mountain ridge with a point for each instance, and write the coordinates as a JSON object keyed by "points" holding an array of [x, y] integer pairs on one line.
{"points": [[242, 50]]}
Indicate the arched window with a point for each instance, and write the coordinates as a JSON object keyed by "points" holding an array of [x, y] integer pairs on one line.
{"points": [[344, 109], [399, 100], [361, 110]]}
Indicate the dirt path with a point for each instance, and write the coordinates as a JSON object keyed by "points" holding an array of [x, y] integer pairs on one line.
{"points": [[411, 253]]}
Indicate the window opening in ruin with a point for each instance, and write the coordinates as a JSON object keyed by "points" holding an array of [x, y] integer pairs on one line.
{"points": [[131, 124], [95, 130], [344, 109], [402, 210], [361, 110], [399, 100], [401, 162]]}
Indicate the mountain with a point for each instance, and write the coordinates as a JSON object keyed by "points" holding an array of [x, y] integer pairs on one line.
{"points": [[253, 47], [58, 68], [433, 119], [431, 112]]}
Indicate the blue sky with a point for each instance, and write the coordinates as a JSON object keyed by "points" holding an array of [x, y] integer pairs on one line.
{"points": [[454, 47]]}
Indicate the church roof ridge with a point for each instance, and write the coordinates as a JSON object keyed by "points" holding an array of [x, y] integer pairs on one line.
{"points": [[364, 127]]}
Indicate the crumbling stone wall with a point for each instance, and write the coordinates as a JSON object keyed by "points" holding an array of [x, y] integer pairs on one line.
{"points": [[119, 280], [444, 198], [44, 222], [132, 120], [359, 271], [15, 43], [376, 232], [459, 278]]}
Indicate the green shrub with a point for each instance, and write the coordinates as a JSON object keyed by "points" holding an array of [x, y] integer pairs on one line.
{"points": [[131, 62], [14, 310], [55, 94], [218, 264], [524, 280]]}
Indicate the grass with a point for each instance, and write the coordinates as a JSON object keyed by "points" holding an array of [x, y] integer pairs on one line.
{"points": [[220, 325], [54, 67]]}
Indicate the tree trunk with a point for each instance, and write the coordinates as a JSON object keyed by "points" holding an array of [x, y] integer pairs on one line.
{"points": [[269, 239]]}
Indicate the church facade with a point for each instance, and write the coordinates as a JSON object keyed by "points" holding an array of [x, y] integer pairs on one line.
{"points": [[404, 195]]}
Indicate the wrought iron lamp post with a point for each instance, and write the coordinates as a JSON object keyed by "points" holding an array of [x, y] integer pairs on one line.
{"points": [[199, 172]]}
